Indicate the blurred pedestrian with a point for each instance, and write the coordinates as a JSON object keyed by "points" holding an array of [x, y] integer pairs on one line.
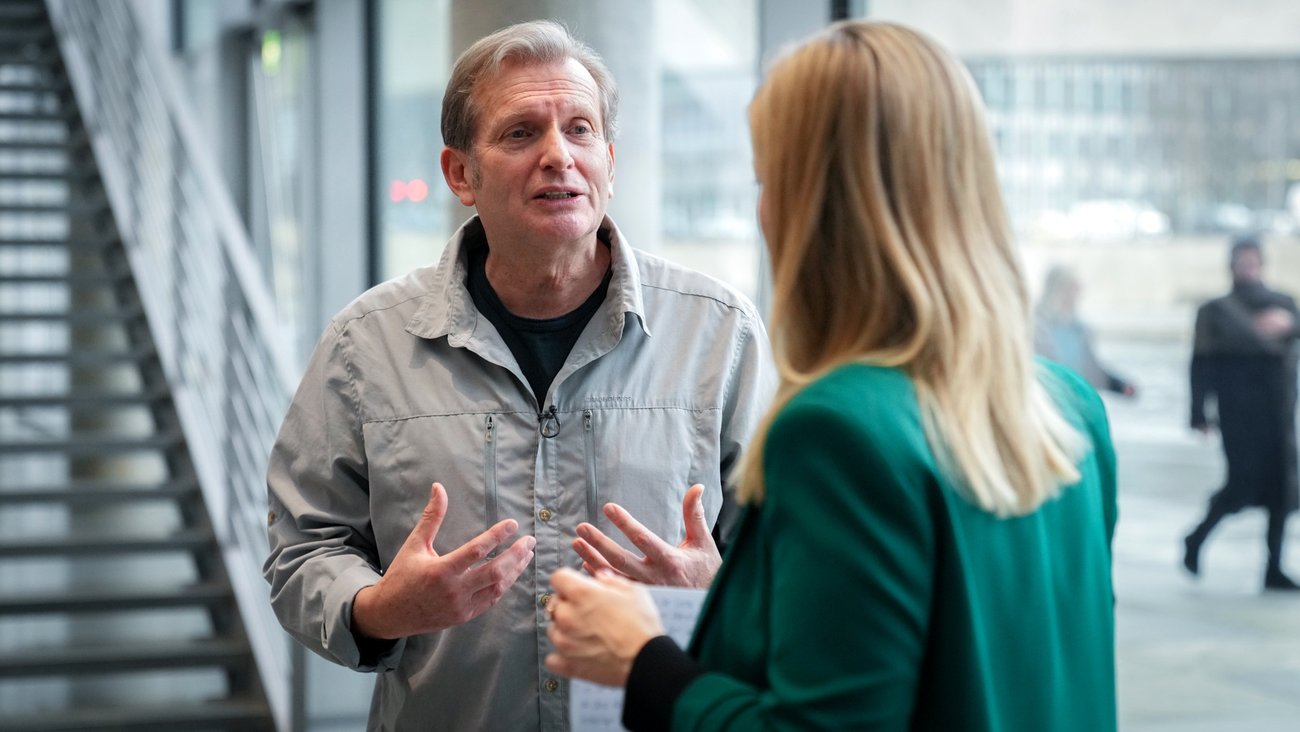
{"points": [[1244, 358], [1059, 334]]}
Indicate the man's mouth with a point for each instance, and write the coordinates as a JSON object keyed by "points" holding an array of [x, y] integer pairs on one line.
{"points": [[557, 195]]}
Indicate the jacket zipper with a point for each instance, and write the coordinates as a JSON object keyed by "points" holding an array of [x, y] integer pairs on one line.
{"points": [[593, 492], [490, 472]]}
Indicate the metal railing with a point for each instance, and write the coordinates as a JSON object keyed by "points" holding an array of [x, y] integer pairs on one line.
{"points": [[211, 312]]}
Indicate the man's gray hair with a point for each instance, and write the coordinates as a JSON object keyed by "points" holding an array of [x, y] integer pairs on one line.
{"points": [[534, 42]]}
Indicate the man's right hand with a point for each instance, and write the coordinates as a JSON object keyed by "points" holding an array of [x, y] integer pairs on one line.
{"points": [[423, 591]]}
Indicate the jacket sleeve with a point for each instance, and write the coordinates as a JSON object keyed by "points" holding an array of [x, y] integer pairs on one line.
{"points": [[1093, 419], [322, 546], [749, 390], [1201, 376], [1106, 379], [1290, 306], [840, 515]]}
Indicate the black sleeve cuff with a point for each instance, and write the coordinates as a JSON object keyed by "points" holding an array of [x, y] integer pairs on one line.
{"points": [[660, 673]]}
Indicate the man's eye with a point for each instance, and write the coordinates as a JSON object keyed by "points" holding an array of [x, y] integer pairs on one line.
{"points": [[517, 134], [581, 129]]}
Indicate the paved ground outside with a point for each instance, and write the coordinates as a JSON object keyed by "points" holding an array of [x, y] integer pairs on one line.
{"points": [[1194, 655]]}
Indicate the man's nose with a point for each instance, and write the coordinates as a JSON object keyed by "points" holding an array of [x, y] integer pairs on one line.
{"points": [[555, 150]]}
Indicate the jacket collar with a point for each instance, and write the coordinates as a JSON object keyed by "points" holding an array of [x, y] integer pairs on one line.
{"points": [[448, 309]]}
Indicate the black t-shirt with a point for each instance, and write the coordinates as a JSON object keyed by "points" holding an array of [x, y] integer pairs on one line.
{"points": [[540, 346]]}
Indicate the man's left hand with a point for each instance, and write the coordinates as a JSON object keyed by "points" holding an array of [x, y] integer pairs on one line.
{"points": [[1274, 323], [691, 563]]}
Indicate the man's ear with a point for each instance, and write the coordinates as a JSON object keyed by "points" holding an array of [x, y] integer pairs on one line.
{"points": [[456, 171], [611, 170]]}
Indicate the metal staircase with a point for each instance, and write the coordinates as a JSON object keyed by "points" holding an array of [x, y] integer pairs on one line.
{"points": [[116, 608]]}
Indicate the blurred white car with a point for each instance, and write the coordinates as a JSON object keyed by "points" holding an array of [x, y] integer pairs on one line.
{"points": [[1105, 219]]}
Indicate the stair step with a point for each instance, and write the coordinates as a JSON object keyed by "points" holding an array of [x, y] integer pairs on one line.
{"points": [[76, 358], [78, 207], [187, 540], [21, 11], [90, 493], [38, 87], [37, 55], [84, 400], [74, 280], [74, 143], [18, 38], [97, 445], [206, 594], [35, 117], [229, 714], [97, 243], [73, 317], [88, 659], [51, 176]]}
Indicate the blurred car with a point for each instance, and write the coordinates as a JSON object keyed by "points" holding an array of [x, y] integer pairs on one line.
{"points": [[1105, 220]]}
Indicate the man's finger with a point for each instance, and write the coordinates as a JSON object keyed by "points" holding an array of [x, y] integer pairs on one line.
{"points": [[497, 576], [654, 548], [591, 559], [431, 520], [474, 550], [697, 527], [504, 569], [613, 555]]}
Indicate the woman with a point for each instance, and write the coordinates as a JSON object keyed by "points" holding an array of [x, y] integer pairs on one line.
{"points": [[1060, 335], [926, 542]]}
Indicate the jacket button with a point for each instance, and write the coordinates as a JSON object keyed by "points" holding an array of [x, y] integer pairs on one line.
{"points": [[545, 514], [544, 600], [552, 685]]}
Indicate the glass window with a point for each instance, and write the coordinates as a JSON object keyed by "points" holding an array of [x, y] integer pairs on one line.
{"points": [[413, 211], [708, 52], [199, 23], [281, 212]]}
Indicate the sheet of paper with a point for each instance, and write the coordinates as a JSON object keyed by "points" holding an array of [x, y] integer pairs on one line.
{"points": [[595, 708]]}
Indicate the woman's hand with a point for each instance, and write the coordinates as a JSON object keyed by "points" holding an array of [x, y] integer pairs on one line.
{"points": [[598, 625]]}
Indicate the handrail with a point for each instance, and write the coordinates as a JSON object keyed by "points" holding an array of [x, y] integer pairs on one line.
{"points": [[208, 304]]}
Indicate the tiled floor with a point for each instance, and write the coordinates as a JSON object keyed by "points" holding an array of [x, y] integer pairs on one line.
{"points": [[1194, 655]]}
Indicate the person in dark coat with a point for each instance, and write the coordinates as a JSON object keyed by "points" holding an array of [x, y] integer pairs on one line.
{"points": [[1244, 356]]}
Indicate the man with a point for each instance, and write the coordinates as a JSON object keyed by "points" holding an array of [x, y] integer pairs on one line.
{"points": [[1244, 356], [540, 370]]}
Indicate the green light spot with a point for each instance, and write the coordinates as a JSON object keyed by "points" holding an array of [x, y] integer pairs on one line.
{"points": [[271, 51]]}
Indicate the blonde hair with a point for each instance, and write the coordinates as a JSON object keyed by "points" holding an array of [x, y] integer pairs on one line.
{"points": [[890, 246]]}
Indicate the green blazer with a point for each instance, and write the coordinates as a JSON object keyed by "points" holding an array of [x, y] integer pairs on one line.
{"points": [[865, 593]]}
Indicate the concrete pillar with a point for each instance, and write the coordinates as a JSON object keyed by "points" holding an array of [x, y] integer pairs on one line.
{"points": [[623, 32]]}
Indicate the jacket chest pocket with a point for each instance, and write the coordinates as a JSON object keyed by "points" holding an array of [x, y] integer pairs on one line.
{"points": [[644, 460], [406, 456]]}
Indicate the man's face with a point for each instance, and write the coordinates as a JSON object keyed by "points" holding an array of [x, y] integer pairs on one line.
{"points": [[541, 168], [1248, 266]]}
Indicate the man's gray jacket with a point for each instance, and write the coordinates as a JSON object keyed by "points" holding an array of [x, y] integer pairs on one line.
{"points": [[409, 385]]}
